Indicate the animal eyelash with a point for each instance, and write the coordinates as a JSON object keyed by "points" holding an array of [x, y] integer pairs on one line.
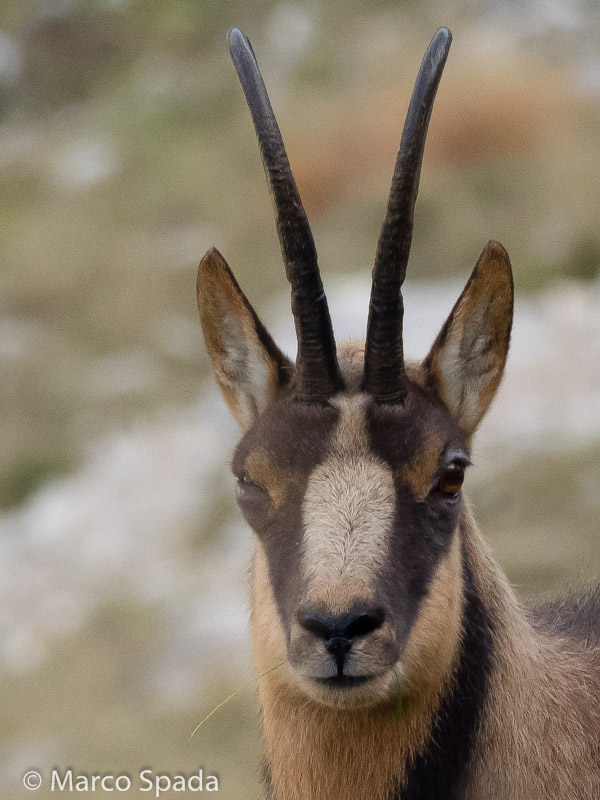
{"points": [[243, 479]]}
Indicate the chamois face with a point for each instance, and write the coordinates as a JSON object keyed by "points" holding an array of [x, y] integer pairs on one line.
{"points": [[355, 506], [356, 503], [351, 464]]}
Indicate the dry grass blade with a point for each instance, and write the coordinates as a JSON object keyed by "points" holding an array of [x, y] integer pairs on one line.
{"points": [[231, 696]]}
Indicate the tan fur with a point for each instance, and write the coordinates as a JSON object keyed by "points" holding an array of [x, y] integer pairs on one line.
{"points": [[430, 651], [262, 471], [542, 720], [351, 356], [268, 637], [419, 473]]}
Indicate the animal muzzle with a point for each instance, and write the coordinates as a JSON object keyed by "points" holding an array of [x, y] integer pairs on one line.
{"points": [[342, 649]]}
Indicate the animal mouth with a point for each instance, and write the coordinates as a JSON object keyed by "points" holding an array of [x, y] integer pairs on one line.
{"points": [[344, 681]]}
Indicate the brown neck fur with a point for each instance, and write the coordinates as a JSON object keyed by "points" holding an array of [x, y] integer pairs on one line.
{"points": [[539, 738]]}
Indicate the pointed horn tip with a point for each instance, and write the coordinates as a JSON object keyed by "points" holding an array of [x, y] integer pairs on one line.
{"points": [[440, 44], [235, 34], [443, 34], [238, 42]]}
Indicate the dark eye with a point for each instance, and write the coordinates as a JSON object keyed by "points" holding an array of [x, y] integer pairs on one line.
{"points": [[244, 480], [451, 479], [254, 502]]}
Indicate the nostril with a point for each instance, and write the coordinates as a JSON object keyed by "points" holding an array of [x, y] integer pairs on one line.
{"points": [[347, 626], [318, 625], [363, 624]]}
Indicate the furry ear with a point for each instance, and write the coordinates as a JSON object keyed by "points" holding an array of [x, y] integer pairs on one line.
{"points": [[466, 363], [249, 367]]}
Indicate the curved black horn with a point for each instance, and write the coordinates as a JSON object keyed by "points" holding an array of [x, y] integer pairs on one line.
{"points": [[384, 375], [318, 374]]}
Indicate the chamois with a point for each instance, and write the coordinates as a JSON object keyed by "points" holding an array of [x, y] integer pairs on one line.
{"points": [[370, 577]]}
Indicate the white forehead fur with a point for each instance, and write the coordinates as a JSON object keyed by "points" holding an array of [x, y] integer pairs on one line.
{"points": [[348, 508]]}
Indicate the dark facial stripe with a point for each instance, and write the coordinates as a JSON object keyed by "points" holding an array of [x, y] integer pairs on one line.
{"points": [[442, 769], [310, 428], [283, 546], [421, 532]]}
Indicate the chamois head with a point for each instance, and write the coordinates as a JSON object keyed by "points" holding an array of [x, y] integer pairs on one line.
{"points": [[351, 463]]}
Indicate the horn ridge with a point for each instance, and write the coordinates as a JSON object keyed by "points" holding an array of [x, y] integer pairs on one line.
{"points": [[384, 374], [318, 373]]}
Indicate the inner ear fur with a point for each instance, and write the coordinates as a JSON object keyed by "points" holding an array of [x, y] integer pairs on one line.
{"points": [[466, 362], [249, 367]]}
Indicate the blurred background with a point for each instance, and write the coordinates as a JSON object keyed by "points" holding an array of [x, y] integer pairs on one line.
{"points": [[126, 150]]}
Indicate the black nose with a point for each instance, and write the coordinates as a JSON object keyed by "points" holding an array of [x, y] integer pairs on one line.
{"points": [[339, 632]]}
